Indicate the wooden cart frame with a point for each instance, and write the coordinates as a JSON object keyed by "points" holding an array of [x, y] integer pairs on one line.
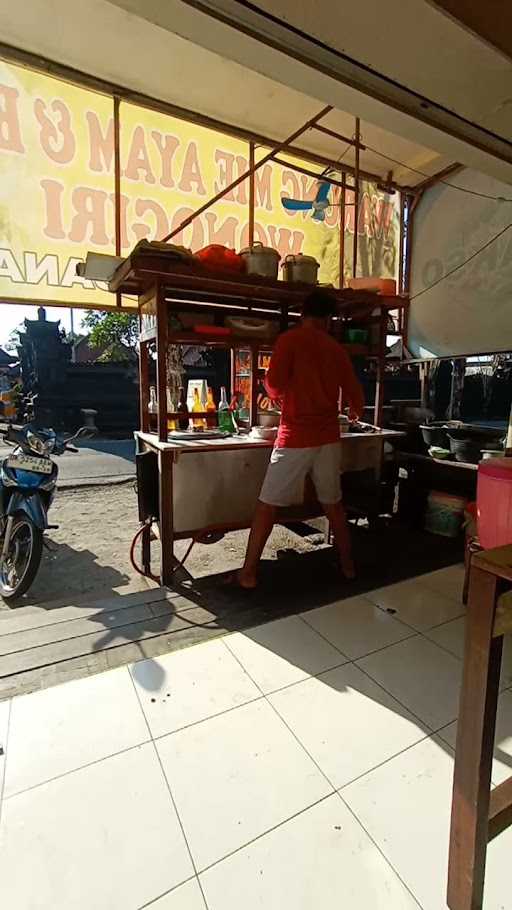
{"points": [[164, 286]]}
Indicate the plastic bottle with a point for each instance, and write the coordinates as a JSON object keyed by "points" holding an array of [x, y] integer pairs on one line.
{"points": [[235, 412], [153, 404], [211, 409], [171, 423], [182, 409], [226, 422]]}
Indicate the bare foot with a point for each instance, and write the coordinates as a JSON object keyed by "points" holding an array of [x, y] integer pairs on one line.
{"points": [[246, 580], [242, 580], [348, 570]]}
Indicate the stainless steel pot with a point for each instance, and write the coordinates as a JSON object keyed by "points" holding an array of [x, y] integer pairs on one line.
{"points": [[269, 418], [261, 260], [300, 268]]}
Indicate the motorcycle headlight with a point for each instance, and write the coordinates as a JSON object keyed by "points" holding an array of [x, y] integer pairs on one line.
{"points": [[36, 444]]}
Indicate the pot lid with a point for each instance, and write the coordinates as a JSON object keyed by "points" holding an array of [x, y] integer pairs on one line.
{"points": [[258, 247], [300, 257]]}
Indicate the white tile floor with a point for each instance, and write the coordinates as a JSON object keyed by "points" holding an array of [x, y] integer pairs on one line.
{"points": [[305, 764]]}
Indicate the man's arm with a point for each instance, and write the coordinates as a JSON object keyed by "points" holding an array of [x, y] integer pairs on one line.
{"points": [[280, 369], [351, 389]]}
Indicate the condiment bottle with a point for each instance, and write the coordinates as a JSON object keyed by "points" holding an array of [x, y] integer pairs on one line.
{"points": [[197, 408], [226, 422], [211, 410], [182, 409], [153, 404], [171, 423]]}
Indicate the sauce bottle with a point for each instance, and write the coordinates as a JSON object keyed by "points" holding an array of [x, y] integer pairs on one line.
{"points": [[211, 409], [182, 410], [226, 422], [197, 408], [171, 423]]}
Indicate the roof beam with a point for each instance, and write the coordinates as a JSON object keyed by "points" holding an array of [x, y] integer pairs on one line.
{"points": [[439, 177], [41, 64], [491, 21], [254, 38]]}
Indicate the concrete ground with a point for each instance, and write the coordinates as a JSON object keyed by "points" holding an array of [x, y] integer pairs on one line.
{"points": [[98, 461], [303, 763], [89, 552]]}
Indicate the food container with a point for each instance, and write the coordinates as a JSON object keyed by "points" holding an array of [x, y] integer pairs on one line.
{"points": [[445, 514], [261, 260], [263, 434], [467, 442], [300, 268], [252, 327], [435, 434], [384, 286], [356, 336], [269, 418], [494, 502]]}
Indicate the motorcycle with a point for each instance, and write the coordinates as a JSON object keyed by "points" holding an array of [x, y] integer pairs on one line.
{"points": [[28, 480]]}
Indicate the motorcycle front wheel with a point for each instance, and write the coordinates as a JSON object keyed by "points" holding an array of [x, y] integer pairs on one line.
{"points": [[19, 566]]}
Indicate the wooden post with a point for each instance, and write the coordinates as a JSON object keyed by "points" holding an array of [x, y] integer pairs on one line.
{"points": [[356, 199], [144, 386], [475, 742], [282, 145], [117, 183], [161, 361], [342, 233], [401, 255], [411, 203], [424, 376], [166, 523], [457, 388], [146, 549], [381, 364], [252, 195], [253, 415]]}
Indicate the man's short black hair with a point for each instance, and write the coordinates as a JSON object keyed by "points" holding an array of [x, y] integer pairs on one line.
{"points": [[320, 304]]}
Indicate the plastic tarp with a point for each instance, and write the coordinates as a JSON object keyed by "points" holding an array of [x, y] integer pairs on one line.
{"points": [[469, 311]]}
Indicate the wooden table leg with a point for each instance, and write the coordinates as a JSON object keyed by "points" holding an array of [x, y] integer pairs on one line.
{"points": [[146, 549], [165, 470], [475, 744]]}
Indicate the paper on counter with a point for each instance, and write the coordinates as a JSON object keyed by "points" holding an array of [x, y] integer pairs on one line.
{"points": [[99, 266]]}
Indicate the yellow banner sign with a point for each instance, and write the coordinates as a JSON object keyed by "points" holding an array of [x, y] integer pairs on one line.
{"points": [[57, 196]]}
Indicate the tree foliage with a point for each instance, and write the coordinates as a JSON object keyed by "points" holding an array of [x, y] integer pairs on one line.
{"points": [[112, 331]]}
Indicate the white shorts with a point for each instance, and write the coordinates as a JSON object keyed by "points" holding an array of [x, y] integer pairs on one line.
{"points": [[287, 471]]}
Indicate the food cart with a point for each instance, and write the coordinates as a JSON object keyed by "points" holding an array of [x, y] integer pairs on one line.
{"points": [[198, 488]]}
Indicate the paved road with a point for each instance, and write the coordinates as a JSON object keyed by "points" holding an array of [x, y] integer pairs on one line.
{"points": [[97, 461]]}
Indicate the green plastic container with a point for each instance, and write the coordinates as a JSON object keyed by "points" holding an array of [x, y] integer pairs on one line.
{"points": [[356, 336], [445, 514]]}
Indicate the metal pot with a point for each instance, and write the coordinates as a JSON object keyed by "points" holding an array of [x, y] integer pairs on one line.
{"points": [[261, 260], [269, 418], [300, 268]]}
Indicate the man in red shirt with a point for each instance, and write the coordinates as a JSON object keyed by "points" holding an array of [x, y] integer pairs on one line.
{"points": [[307, 371]]}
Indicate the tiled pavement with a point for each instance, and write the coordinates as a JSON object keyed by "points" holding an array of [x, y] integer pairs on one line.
{"points": [[306, 764]]}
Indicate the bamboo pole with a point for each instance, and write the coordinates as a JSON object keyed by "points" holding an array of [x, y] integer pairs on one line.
{"points": [[268, 157], [356, 198]]}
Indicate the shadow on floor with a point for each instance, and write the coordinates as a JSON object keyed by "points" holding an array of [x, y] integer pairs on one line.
{"points": [[66, 573]]}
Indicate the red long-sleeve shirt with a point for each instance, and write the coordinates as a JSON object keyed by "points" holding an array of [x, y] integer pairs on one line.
{"points": [[307, 370]]}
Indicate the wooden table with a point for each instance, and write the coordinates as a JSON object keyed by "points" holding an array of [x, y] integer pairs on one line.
{"points": [[213, 485], [479, 813]]}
